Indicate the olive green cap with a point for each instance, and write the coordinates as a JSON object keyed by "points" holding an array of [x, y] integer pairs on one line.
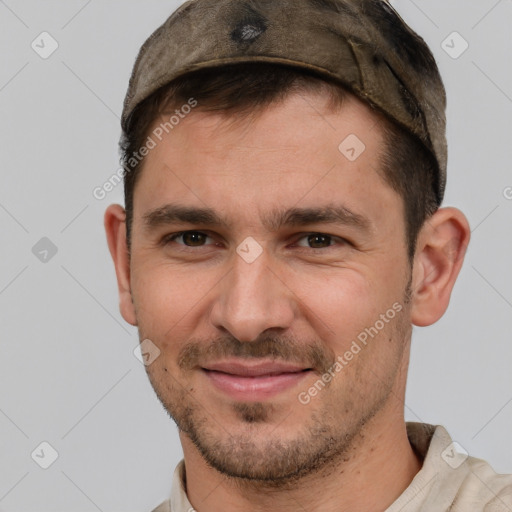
{"points": [[362, 44]]}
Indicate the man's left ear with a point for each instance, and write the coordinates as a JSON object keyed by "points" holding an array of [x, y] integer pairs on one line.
{"points": [[440, 250]]}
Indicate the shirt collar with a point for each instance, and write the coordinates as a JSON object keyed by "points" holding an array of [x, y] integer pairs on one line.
{"points": [[428, 441]]}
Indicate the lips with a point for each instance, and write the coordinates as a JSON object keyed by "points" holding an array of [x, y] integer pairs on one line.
{"points": [[257, 369], [254, 381]]}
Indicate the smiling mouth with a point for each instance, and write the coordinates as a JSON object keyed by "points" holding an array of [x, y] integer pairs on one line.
{"points": [[256, 381]]}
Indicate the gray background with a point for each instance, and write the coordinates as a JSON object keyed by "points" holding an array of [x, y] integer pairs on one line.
{"points": [[68, 375]]}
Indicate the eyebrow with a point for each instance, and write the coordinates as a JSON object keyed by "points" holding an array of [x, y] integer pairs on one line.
{"points": [[330, 214]]}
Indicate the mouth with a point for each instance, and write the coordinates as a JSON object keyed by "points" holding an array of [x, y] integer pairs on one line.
{"points": [[254, 381]]}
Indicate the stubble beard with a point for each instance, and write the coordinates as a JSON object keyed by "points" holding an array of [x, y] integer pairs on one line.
{"points": [[321, 444], [325, 441]]}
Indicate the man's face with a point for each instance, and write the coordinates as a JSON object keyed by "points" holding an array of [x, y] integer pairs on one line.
{"points": [[247, 326]]}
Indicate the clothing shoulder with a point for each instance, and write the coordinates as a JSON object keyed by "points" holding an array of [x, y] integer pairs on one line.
{"points": [[492, 491], [163, 507]]}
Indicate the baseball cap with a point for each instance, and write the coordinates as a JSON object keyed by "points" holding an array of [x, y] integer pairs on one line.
{"points": [[364, 45]]}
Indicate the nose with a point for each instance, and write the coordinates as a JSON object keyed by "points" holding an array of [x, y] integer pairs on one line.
{"points": [[252, 298]]}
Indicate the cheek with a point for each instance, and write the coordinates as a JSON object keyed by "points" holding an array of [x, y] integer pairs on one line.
{"points": [[346, 302], [337, 297], [169, 300]]}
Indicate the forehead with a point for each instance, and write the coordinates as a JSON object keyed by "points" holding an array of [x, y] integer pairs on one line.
{"points": [[294, 152]]}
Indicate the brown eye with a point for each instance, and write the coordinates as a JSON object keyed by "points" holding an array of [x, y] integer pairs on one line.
{"points": [[194, 238], [187, 238], [319, 241]]}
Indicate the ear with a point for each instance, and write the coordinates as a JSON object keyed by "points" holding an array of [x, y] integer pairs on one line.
{"points": [[440, 250], [115, 228]]}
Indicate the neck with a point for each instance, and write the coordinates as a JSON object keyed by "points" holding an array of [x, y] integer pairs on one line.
{"points": [[380, 467]]}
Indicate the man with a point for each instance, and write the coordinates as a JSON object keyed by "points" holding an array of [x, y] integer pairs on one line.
{"points": [[285, 163]]}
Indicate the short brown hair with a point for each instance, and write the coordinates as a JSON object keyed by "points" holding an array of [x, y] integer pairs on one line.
{"points": [[242, 89]]}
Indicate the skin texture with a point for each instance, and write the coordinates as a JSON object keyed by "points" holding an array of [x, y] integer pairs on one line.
{"points": [[204, 303]]}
